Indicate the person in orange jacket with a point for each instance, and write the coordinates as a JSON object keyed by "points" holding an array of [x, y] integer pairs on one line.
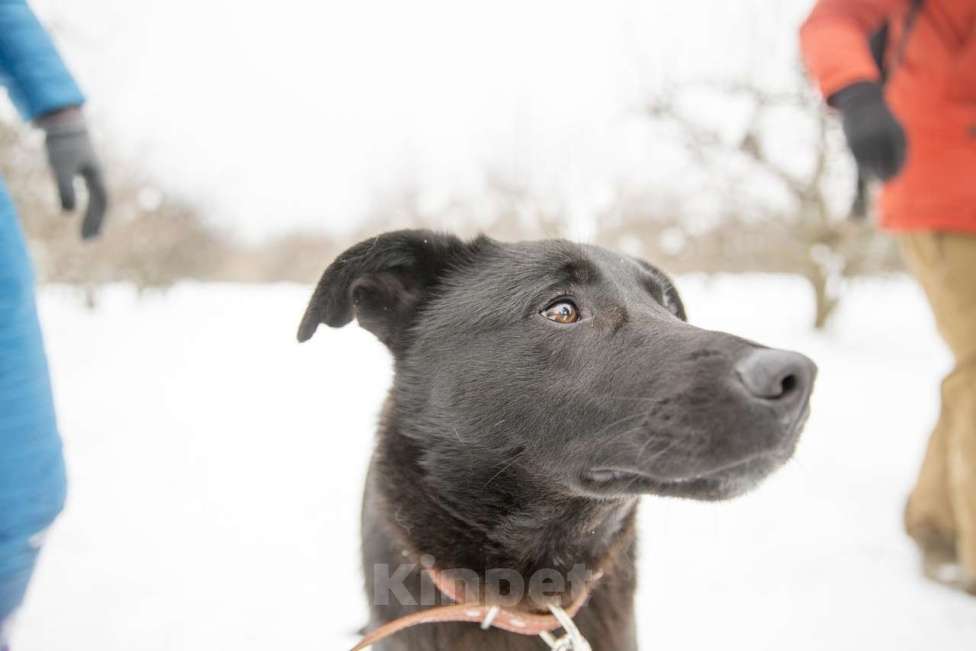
{"points": [[916, 132]]}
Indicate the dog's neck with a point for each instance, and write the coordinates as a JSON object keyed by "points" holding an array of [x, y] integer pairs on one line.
{"points": [[481, 514]]}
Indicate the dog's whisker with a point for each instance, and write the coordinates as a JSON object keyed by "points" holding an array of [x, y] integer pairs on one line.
{"points": [[505, 467], [606, 428], [629, 398], [669, 445]]}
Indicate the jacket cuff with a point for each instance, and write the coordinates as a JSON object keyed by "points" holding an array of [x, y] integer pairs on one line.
{"points": [[69, 119], [857, 94]]}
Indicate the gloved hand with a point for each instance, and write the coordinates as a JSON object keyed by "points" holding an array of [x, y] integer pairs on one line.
{"points": [[70, 154], [873, 132]]}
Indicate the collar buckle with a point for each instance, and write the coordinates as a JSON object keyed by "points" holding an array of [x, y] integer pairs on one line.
{"points": [[573, 640]]}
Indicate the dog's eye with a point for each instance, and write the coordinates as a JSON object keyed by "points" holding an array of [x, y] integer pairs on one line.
{"points": [[562, 312]]}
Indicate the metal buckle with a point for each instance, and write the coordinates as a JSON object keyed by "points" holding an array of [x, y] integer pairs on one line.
{"points": [[573, 640]]}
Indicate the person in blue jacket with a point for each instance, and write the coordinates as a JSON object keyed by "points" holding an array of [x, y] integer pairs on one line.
{"points": [[32, 477]]}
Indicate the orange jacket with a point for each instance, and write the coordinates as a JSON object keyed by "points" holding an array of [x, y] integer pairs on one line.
{"points": [[932, 90]]}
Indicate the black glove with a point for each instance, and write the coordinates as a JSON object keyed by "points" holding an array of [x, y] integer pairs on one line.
{"points": [[873, 132], [70, 154]]}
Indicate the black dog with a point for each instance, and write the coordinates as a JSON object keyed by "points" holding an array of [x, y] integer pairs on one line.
{"points": [[540, 388]]}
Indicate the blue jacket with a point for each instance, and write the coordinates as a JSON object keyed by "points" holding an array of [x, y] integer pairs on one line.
{"points": [[30, 68], [32, 484]]}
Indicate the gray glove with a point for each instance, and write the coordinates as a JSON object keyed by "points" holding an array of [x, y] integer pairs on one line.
{"points": [[70, 154]]}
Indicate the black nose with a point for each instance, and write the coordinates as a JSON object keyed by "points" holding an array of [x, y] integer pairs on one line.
{"points": [[779, 376]]}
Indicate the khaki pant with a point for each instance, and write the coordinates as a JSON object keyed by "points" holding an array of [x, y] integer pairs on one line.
{"points": [[941, 511]]}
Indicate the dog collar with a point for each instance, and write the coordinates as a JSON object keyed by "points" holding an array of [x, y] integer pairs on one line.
{"points": [[493, 616]]}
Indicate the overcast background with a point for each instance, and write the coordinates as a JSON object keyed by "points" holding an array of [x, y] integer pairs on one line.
{"points": [[293, 114]]}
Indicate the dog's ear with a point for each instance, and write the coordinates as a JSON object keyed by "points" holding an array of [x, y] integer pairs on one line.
{"points": [[672, 301], [381, 282], [669, 296]]}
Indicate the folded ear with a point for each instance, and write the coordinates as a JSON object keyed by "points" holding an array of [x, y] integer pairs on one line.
{"points": [[381, 282], [672, 301], [668, 295]]}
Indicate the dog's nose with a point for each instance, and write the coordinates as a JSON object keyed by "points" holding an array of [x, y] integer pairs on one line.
{"points": [[781, 377]]}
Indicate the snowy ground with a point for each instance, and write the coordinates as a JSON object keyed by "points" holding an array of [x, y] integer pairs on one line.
{"points": [[216, 467]]}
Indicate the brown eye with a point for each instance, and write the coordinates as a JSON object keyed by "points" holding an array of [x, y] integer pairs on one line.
{"points": [[562, 312]]}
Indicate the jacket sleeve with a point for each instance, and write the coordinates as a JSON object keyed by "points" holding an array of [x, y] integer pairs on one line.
{"points": [[962, 82], [834, 41], [30, 68]]}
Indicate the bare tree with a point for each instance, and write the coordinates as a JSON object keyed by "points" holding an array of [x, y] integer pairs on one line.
{"points": [[810, 233], [152, 238]]}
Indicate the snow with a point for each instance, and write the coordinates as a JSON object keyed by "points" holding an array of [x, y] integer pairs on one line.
{"points": [[216, 468]]}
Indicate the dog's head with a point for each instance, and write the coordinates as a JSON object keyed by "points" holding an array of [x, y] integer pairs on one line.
{"points": [[575, 361]]}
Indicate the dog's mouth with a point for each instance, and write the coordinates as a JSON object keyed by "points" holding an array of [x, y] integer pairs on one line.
{"points": [[724, 482]]}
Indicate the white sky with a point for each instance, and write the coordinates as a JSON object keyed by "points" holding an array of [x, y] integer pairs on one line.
{"points": [[293, 114]]}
